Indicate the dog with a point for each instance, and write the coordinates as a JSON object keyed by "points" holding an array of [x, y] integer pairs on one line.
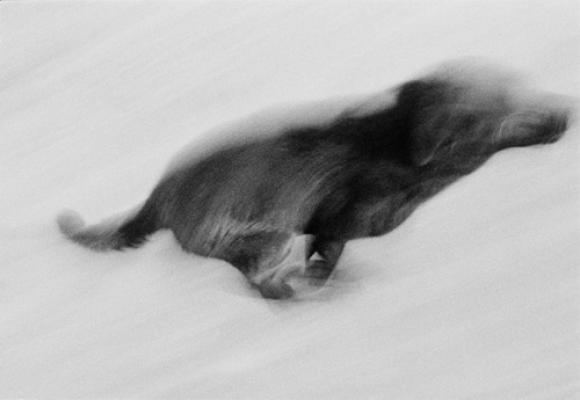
{"points": [[359, 175]]}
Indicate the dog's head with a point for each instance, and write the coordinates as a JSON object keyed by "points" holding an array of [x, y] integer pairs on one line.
{"points": [[460, 114]]}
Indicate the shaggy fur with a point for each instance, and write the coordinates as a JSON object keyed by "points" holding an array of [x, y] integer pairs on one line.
{"points": [[358, 176]]}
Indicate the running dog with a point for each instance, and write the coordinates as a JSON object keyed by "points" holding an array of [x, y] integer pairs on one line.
{"points": [[356, 176]]}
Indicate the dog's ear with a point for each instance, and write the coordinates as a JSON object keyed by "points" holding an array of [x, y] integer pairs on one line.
{"points": [[420, 111], [425, 152], [428, 136]]}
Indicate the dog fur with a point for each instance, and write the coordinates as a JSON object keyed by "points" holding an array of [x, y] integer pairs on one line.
{"points": [[357, 176]]}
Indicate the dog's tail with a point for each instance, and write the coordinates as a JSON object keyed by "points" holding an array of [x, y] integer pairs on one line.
{"points": [[128, 230]]}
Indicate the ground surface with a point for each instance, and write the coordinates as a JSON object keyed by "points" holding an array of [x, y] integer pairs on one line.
{"points": [[476, 296]]}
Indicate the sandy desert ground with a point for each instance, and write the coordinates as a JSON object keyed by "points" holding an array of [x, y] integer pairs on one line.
{"points": [[476, 296]]}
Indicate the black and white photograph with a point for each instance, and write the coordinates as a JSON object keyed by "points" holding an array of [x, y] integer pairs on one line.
{"points": [[261, 199]]}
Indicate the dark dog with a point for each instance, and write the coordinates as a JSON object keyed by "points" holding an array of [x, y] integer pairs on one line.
{"points": [[358, 176]]}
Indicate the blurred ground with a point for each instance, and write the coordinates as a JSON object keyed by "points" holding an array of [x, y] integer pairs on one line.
{"points": [[476, 296]]}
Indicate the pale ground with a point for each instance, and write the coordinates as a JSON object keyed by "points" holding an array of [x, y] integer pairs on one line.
{"points": [[476, 296]]}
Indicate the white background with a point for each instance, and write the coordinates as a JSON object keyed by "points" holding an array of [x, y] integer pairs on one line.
{"points": [[476, 296]]}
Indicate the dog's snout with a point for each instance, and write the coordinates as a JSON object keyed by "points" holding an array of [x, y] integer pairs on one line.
{"points": [[556, 124], [561, 122], [527, 128]]}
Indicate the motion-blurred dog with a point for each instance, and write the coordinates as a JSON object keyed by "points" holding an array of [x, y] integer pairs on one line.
{"points": [[357, 176]]}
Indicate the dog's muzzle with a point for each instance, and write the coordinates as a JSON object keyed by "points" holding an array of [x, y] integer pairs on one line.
{"points": [[533, 127], [554, 126]]}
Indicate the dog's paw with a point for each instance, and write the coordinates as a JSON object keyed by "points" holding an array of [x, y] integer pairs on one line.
{"points": [[318, 272], [275, 290]]}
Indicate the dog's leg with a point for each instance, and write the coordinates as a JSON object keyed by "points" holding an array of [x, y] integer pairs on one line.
{"points": [[320, 268], [268, 259]]}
